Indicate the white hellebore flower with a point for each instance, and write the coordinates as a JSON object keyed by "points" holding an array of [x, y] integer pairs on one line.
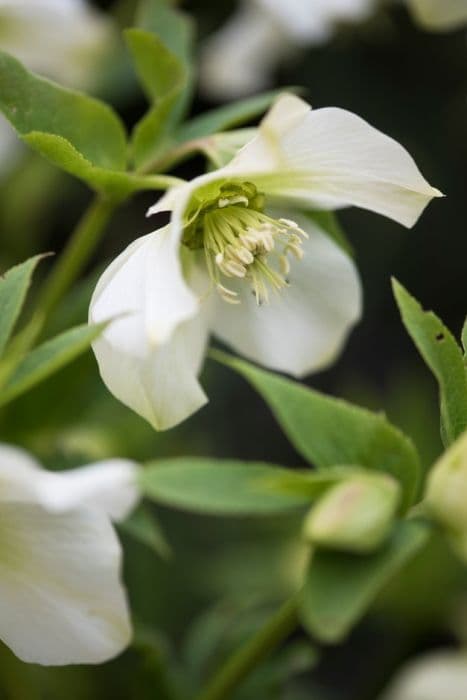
{"points": [[441, 675], [242, 259], [439, 15], [240, 57], [61, 598]]}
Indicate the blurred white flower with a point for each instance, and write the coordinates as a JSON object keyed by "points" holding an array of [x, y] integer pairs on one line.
{"points": [[241, 258], [441, 675], [61, 39], [439, 15], [61, 597], [240, 58], [242, 55], [57, 38]]}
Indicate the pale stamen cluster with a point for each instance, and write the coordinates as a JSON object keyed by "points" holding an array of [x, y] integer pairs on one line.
{"points": [[243, 243]]}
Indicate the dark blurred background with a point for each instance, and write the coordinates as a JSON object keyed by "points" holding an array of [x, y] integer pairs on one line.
{"points": [[411, 85]]}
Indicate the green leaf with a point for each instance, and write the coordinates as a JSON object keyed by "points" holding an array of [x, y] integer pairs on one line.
{"points": [[443, 356], [218, 487], [164, 79], [143, 526], [339, 587], [34, 104], [111, 182], [329, 432], [14, 287], [48, 358], [464, 338], [228, 116], [172, 26]]}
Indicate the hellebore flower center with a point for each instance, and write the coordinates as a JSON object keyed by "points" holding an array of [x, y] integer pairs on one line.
{"points": [[241, 241]]}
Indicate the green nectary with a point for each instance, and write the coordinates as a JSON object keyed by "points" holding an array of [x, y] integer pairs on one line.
{"points": [[240, 240]]}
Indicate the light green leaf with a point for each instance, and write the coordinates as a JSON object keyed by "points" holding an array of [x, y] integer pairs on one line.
{"points": [[329, 432], [115, 184], [464, 338], [228, 116], [443, 356], [143, 526], [14, 287], [157, 67], [214, 486], [34, 104], [47, 359], [174, 27], [164, 79], [339, 587]]}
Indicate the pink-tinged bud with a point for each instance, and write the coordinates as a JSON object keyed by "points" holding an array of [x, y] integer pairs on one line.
{"points": [[446, 493], [355, 515]]}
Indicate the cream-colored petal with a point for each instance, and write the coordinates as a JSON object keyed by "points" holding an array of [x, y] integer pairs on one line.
{"points": [[162, 387], [239, 58], [311, 21], [61, 599], [440, 675], [303, 327], [439, 15], [109, 486], [161, 384], [144, 290], [330, 158]]}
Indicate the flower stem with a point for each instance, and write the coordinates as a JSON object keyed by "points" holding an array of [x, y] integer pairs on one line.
{"points": [[76, 254], [258, 648]]}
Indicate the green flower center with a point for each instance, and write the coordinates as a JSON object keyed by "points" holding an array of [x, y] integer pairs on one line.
{"points": [[241, 241]]}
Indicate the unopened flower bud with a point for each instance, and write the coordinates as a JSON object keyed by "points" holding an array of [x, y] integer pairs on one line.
{"points": [[446, 494], [354, 515]]}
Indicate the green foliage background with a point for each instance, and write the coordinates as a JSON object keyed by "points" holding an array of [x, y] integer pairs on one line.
{"points": [[198, 600]]}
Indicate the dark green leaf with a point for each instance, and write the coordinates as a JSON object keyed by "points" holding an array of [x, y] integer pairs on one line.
{"points": [[143, 526], [14, 287], [34, 104], [217, 486], [443, 356], [339, 587], [329, 432], [47, 359]]}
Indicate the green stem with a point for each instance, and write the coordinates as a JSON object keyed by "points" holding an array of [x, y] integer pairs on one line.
{"points": [[240, 665], [75, 256]]}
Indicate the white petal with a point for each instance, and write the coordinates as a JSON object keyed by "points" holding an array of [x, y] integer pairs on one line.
{"points": [[311, 21], [161, 384], [20, 475], [330, 158], [439, 14], [61, 600], [10, 147], [239, 58], [440, 675], [145, 287], [304, 326], [109, 486], [168, 200]]}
